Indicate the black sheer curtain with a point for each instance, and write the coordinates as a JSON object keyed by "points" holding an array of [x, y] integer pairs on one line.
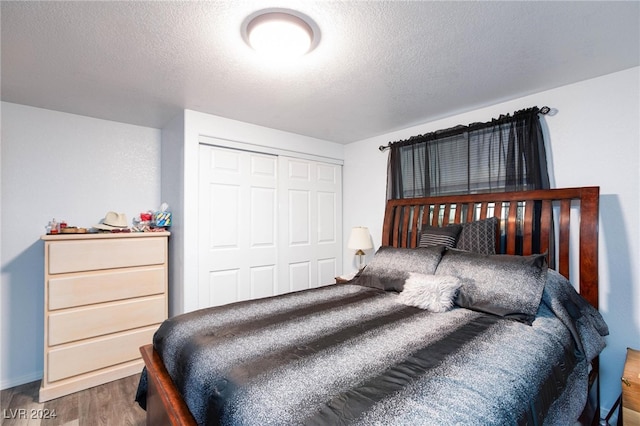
{"points": [[505, 154]]}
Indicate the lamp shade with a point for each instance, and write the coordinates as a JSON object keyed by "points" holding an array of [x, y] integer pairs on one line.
{"points": [[360, 239]]}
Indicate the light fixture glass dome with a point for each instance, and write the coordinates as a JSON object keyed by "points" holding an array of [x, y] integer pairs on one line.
{"points": [[280, 33]]}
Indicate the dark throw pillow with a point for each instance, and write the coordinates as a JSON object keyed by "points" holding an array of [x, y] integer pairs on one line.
{"points": [[503, 285], [479, 236], [440, 236]]}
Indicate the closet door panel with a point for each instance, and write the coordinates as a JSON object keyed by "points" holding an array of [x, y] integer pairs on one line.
{"points": [[329, 248], [311, 225], [223, 286], [327, 270], [223, 224], [263, 281], [300, 275], [237, 225], [299, 218]]}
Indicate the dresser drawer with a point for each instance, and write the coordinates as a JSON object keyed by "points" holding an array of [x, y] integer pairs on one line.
{"points": [[100, 287], [89, 255], [87, 356], [83, 323]]}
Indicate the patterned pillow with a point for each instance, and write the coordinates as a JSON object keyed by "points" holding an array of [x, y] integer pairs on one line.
{"points": [[479, 236], [391, 266], [433, 293], [440, 236], [504, 285]]}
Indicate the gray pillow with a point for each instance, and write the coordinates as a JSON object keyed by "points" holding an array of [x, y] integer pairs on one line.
{"points": [[391, 266], [479, 236], [504, 285], [440, 236]]}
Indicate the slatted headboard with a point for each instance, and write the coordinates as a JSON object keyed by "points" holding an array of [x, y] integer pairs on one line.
{"points": [[528, 221]]}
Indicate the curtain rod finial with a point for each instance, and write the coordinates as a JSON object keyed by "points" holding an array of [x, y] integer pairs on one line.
{"points": [[548, 111]]}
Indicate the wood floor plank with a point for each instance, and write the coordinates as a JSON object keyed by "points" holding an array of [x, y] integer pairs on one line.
{"points": [[135, 416], [111, 404], [22, 406], [5, 397], [62, 410]]}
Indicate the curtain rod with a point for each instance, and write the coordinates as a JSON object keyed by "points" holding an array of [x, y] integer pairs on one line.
{"points": [[544, 111]]}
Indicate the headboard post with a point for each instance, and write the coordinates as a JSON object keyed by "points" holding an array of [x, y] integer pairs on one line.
{"points": [[589, 208]]}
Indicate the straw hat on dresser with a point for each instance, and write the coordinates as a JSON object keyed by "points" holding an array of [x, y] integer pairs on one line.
{"points": [[113, 220]]}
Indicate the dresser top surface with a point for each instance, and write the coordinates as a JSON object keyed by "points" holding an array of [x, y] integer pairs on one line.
{"points": [[93, 236]]}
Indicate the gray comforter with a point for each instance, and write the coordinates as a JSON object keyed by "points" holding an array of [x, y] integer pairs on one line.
{"points": [[348, 354]]}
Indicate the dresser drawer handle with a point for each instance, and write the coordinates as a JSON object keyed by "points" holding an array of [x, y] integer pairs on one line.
{"points": [[626, 381]]}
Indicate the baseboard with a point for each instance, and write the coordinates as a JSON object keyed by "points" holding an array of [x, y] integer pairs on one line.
{"points": [[17, 381]]}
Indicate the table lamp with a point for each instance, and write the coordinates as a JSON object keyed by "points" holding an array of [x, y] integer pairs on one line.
{"points": [[360, 240]]}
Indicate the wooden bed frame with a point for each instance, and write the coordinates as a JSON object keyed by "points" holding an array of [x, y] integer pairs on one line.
{"points": [[529, 221]]}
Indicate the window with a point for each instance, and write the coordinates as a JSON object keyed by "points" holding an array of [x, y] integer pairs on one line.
{"points": [[505, 154]]}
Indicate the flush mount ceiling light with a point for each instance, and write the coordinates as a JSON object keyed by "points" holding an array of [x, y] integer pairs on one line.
{"points": [[280, 33]]}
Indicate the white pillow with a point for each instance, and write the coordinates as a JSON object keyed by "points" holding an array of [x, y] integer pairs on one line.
{"points": [[434, 293]]}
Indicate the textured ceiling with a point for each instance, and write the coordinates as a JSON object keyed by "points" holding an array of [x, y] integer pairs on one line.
{"points": [[379, 66]]}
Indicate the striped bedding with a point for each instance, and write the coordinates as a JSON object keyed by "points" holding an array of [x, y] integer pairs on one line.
{"points": [[349, 354]]}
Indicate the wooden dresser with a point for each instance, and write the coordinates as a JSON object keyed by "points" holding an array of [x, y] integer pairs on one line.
{"points": [[105, 295], [631, 389]]}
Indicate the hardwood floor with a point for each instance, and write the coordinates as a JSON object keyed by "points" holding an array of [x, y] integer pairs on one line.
{"points": [[109, 404]]}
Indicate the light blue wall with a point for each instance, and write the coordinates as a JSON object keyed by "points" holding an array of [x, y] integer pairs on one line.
{"points": [[63, 166]]}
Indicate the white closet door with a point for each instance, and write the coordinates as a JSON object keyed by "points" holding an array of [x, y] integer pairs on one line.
{"points": [[238, 249], [310, 223]]}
